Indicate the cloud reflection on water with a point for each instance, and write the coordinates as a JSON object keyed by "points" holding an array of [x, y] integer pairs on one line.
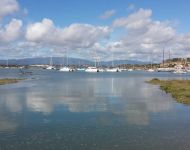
{"points": [[129, 98]]}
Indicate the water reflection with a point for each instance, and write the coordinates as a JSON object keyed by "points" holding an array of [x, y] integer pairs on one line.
{"points": [[38, 104], [128, 98], [6, 124]]}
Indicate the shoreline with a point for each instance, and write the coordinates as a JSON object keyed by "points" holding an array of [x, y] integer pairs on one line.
{"points": [[179, 89]]}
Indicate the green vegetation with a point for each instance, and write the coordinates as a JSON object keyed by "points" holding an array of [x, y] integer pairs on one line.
{"points": [[179, 89], [8, 81]]}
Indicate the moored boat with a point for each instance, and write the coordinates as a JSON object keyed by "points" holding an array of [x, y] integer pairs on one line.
{"points": [[92, 69], [113, 70], [150, 70], [65, 69]]}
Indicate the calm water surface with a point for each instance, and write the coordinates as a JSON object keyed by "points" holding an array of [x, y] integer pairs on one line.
{"points": [[52, 110]]}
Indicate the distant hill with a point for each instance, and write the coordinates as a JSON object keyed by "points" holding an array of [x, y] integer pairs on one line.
{"points": [[120, 62], [61, 60], [45, 60]]}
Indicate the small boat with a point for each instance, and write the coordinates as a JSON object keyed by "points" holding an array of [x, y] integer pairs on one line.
{"points": [[101, 70], [130, 70], [165, 69], [65, 69], [92, 69], [180, 71], [113, 70], [7, 66], [50, 68], [150, 70], [81, 69], [187, 69]]}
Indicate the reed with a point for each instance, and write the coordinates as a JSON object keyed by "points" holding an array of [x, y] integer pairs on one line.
{"points": [[179, 89], [9, 81]]}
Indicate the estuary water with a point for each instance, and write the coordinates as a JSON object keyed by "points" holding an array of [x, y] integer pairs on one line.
{"points": [[53, 110]]}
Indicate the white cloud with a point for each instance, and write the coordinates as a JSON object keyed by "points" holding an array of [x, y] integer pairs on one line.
{"points": [[38, 31], [108, 14], [137, 20], [136, 36], [11, 31], [8, 7], [73, 36], [143, 35]]}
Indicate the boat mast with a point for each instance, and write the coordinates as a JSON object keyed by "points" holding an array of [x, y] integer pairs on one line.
{"points": [[67, 58], [95, 58], [51, 62], [112, 60], [169, 58], [163, 56], [7, 62]]}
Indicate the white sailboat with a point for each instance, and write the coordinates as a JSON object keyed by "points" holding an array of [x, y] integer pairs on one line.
{"points": [[66, 68], [91, 69], [50, 67], [7, 65], [131, 69], [150, 69], [113, 69]]}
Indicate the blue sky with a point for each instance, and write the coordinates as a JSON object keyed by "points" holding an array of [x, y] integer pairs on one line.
{"points": [[65, 12], [132, 29]]}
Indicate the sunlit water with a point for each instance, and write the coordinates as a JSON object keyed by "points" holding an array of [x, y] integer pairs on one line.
{"points": [[52, 110]]}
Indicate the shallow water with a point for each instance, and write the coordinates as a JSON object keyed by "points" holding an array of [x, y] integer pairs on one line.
{"points": [[91, 111]]}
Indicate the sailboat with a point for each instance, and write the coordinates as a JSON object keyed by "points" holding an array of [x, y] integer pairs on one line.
{"points": [[113, 69], [163, 68], [7, 65], [150, 69], [50, 67], [92, 69], [65, 68], [131, 69]]}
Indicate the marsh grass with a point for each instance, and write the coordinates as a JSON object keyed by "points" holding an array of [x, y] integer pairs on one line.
{"points": [[179, 89], [9, 81]]}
